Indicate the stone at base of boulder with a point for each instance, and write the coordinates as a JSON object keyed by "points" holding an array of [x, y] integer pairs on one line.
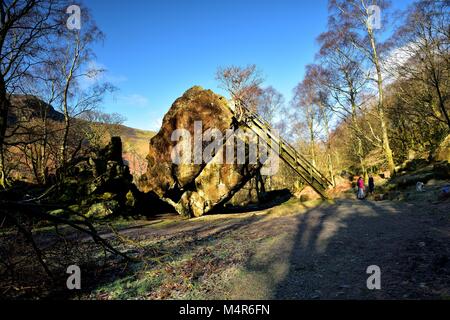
{"points": [[307, 194]]}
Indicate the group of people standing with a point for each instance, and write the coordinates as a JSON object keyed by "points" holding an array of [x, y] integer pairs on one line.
{"points": [[361, 187]]}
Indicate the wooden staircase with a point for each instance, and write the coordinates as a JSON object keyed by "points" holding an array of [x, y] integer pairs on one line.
{"points": [[287, 153]]}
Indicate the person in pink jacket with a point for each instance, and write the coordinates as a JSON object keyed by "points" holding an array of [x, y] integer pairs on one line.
{"points": [[360, 184]]}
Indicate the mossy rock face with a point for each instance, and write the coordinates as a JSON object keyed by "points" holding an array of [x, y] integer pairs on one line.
{"points": [[103, 209], [75, 208], [101, 178], [106, 196], [130, 199], [57, 213], [101, 185]]}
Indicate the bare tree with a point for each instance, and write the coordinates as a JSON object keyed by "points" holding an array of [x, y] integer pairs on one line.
{"points": [[342, 75], [99, 127], [243, 85], [305, 104], [35, 137], [316, 76], [76, 79], [270, 103], [423, 53], [24, 29], [356, 17]]}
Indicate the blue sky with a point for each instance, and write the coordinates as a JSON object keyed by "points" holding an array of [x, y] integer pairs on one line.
{"points": [[157, 49]]}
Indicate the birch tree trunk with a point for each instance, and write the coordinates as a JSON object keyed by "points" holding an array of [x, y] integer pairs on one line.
{"points": [[380, 107]]}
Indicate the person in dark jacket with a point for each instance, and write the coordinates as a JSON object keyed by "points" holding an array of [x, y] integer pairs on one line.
{"points": [[371, 185]]}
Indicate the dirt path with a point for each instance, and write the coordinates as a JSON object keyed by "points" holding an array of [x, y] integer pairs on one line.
{"points": [[291, 252], [324, 253]]}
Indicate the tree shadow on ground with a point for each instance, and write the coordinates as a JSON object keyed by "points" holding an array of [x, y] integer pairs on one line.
{"points": [[333, 246]]}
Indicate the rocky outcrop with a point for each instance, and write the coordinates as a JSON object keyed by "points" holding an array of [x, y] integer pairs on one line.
{"points": [[193, 187], [97, 186], [101, 185]]}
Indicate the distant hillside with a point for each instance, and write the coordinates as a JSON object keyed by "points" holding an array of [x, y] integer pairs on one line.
{"points": [[135, 141], [137, 138], [26, 106], [135, 148]]}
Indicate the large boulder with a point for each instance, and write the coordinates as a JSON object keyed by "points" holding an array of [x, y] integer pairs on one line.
{"points": [[194, 188]]}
